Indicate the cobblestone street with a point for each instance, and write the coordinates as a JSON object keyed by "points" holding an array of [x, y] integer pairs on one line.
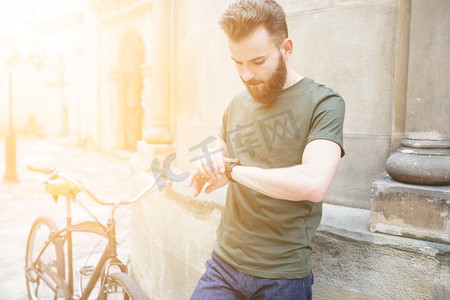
{"points": [[20, 204]]}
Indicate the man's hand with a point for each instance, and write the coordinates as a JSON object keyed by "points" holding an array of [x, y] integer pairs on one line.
{"points": [[212, 167], [216, 184], [197, 181], [210, 170]]}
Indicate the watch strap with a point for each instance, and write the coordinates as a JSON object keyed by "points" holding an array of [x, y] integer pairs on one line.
{"points": [[229, 165]]}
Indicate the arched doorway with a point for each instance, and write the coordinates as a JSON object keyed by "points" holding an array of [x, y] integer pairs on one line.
{"points": [[131, 58]]}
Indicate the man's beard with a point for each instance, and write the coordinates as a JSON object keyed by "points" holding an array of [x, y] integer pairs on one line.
{"points": [[270, 89]]}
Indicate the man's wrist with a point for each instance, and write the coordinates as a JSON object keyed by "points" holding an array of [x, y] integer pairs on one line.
{"points": [[230, 163]]}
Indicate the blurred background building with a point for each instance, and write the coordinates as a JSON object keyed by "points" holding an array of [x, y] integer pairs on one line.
{"points": [[153, 77]]}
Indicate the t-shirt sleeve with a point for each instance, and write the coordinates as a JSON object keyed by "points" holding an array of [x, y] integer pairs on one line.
{"points": [[327, 121], [223, 128]]}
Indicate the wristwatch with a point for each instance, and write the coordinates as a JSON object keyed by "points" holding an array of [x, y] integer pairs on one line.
{"points": [[230, 163]]}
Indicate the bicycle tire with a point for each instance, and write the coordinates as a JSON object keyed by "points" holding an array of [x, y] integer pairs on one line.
{"points": [[121, 286], [40, 284]]}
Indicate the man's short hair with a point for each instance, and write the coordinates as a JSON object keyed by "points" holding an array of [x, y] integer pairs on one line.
{"points": [[243, 17]]}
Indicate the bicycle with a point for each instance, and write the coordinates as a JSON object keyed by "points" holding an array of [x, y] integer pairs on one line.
{"points": [[45, 267]]}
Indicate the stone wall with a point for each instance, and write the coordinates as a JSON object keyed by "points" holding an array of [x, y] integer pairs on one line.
{"points": [[352, 269], [132, 25]]}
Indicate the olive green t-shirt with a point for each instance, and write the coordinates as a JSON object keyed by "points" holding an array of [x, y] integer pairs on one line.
{"points": [[260, 235]]}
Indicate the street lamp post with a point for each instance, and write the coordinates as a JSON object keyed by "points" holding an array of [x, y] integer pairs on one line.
{"points": [[10, 144], [13, 53]]}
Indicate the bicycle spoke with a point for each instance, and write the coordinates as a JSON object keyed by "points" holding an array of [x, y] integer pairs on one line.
{"points": [[44, 261]]}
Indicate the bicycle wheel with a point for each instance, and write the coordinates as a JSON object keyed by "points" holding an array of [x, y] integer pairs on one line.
{"points": [[121, 286], [45, 276]]}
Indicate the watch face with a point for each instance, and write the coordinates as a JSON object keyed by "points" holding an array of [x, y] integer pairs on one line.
{"points": [[231, 160]]}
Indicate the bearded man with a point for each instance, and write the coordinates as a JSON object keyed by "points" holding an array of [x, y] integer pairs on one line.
{"points": [[277, 182]]}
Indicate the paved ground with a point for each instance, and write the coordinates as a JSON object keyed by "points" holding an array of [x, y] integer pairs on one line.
{"points": [[108, 176]]}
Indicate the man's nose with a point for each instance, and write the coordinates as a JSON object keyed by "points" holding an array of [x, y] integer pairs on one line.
{"points": [[247, 74]]}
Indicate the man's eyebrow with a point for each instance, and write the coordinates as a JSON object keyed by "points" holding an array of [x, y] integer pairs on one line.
{"points": [[251, 60]]}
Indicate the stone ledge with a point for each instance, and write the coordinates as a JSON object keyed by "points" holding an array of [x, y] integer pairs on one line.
{"points": [[351, 262], [417, 211], [353, 224]]}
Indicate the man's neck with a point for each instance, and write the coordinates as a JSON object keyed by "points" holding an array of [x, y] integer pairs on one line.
{"points": [[292, 78]]}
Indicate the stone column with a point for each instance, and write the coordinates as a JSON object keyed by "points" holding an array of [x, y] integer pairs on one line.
{"points": [[146, 71], [116, 122], [157, 135], [158, 129], [415, 199]]}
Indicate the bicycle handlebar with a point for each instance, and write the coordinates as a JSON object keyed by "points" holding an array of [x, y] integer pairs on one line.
{"points": [[45, 171], [52, 173]]}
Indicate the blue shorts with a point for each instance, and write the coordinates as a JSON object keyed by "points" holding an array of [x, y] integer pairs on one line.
{"points": [[223, 282]]}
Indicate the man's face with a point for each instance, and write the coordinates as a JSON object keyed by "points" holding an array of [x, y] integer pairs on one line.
{"points": [[260, 65]]}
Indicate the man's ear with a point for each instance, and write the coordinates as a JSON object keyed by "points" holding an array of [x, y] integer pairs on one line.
{"points": [[287, 47]]}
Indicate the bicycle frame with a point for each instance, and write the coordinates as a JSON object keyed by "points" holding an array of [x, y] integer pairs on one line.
{"points": [[108, 258]]}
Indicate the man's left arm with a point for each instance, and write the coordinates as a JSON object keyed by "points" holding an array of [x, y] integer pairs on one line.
{"points": [[309, 181]]}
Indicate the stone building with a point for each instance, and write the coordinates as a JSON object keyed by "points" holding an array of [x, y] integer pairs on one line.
{"points": [[154, 76]]}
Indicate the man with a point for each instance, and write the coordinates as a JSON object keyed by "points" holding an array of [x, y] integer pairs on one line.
{"points": [[277, 181]]}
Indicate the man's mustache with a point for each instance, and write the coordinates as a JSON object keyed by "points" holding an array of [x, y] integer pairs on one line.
{"points": [[252, 82]]}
